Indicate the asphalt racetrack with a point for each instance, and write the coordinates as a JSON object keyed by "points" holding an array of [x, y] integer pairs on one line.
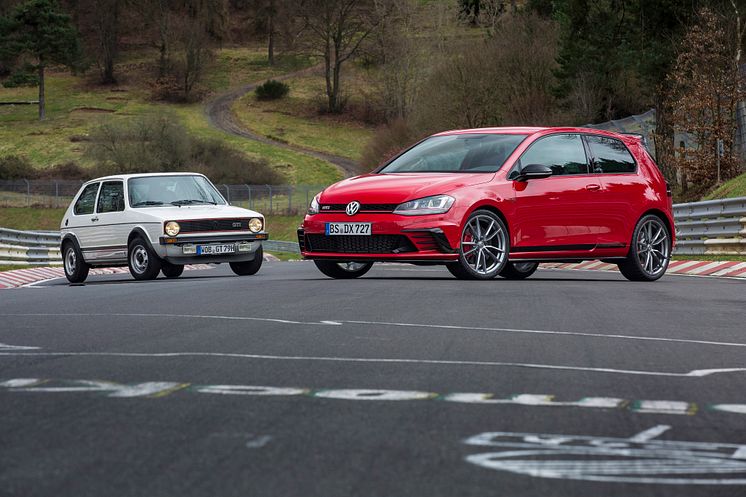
{"points": [[406, 382]]}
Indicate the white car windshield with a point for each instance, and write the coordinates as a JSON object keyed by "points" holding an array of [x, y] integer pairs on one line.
{"points": [[463, 153], [148, 191]]}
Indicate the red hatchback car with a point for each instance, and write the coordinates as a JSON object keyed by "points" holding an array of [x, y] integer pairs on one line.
{"points": [[498, 201]]}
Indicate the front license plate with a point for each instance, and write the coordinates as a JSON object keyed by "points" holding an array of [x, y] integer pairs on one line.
{"points": [[348, 229], [216, 249]]}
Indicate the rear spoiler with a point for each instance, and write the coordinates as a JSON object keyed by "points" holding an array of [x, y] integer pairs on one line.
{"points": [[642, 139]]}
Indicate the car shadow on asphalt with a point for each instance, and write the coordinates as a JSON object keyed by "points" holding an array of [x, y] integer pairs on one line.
{"points": [[131, 280]]}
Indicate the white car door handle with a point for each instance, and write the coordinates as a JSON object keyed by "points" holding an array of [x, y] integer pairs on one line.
{"points": [[94, 219]]}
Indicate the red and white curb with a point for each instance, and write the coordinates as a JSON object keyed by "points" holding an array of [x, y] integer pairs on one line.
{"points": [[722, 269], [21, 277]]}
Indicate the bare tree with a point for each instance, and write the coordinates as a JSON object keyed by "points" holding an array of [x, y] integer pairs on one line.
{"points": [[399, 56], [335, 30], [706, 88]]}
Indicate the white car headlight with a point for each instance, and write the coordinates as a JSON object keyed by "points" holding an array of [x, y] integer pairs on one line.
{"points": [[172, 228], [256, 224], [437, 204], [314, 207]]}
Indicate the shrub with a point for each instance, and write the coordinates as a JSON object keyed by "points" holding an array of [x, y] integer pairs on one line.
{"points": [[162, 143], [16, 167], [23, 76], [67, 171], [271, 90], [386, 143], [223, 164]]}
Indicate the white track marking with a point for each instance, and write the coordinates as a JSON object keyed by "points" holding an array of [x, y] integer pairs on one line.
{"points": [[20, 382], [534, 400], [390, 324], [695, 373], [258, 442], [547, 332], [171, 316], [5, 346], [650, 433], [349, 394], [154, 388], [663, 407], [251, 390], [638, 459]]}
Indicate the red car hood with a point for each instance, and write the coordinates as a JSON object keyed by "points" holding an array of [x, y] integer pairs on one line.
{"points": [[399, 187]]}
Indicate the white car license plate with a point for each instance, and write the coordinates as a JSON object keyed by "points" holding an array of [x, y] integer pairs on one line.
{"points": [[362, 229], [216, 249]]}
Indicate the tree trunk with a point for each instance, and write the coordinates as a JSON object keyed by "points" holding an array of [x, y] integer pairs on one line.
{"points": [[335, 88], [271, 27], [328, 76], [42, 109]]}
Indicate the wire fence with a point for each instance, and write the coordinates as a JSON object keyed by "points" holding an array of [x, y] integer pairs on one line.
{"points": [[267, 199]]}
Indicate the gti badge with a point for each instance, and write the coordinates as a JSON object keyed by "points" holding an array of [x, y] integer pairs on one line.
{"points": [[352, 208]]}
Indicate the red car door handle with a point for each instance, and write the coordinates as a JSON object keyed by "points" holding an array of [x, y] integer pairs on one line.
{"points": [[593, 187]]}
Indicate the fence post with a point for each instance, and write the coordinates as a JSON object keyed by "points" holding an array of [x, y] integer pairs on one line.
{"points": [[57, 194], [248, 201], [270, 199], [290, 199], [308, 202], [227, 193], [28, 193]]}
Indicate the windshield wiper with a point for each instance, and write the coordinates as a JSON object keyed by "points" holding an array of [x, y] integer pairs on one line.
{"points": [[148, 202], [192, 201]]}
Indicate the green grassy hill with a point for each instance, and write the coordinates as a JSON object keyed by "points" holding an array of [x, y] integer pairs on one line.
{"points": [[733, 188], [75, 106]]}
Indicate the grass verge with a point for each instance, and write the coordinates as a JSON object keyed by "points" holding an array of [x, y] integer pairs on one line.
{"points": [[735, 187], [706, 257], [295, 119]]}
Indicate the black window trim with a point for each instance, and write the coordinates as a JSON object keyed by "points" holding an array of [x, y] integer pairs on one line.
{"points": [[98, 195], [518, 165], [95, 201], [592, 159]]}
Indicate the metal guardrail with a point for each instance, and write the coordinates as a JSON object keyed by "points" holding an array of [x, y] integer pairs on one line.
{"points": [[281, 246], [713, 227], [34, 248], [42, 248]]}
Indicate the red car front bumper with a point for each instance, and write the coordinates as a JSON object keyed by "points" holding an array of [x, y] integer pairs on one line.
{"points": [[393, 238]]}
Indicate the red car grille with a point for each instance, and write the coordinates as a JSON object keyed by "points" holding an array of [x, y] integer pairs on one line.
{"points": [[363, 207], [375, 244], [197, 225]]}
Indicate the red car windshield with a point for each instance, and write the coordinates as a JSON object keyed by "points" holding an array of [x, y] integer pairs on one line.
{"points": [[465, 153]]}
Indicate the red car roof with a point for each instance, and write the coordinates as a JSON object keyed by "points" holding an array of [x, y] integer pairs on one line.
{"points": [[529, 130]]}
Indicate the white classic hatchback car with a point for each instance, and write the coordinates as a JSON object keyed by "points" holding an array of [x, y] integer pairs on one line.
{"points": [[157, 223]]}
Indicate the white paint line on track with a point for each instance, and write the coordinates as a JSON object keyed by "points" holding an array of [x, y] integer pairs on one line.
{"points": [[391, 324], [549, 332], [697, 373], [170, 316]]}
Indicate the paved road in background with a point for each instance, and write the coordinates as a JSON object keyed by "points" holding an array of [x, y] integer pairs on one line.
{"points": [[406, 382]]}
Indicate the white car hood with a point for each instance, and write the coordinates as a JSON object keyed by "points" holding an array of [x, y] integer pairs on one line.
{"points": [[175, 213]]}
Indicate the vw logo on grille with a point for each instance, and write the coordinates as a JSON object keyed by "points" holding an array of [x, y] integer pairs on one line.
{"points": [[352, 208]]}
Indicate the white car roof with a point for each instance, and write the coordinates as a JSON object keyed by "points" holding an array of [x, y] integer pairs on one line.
{"points": [[141, 175]]}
